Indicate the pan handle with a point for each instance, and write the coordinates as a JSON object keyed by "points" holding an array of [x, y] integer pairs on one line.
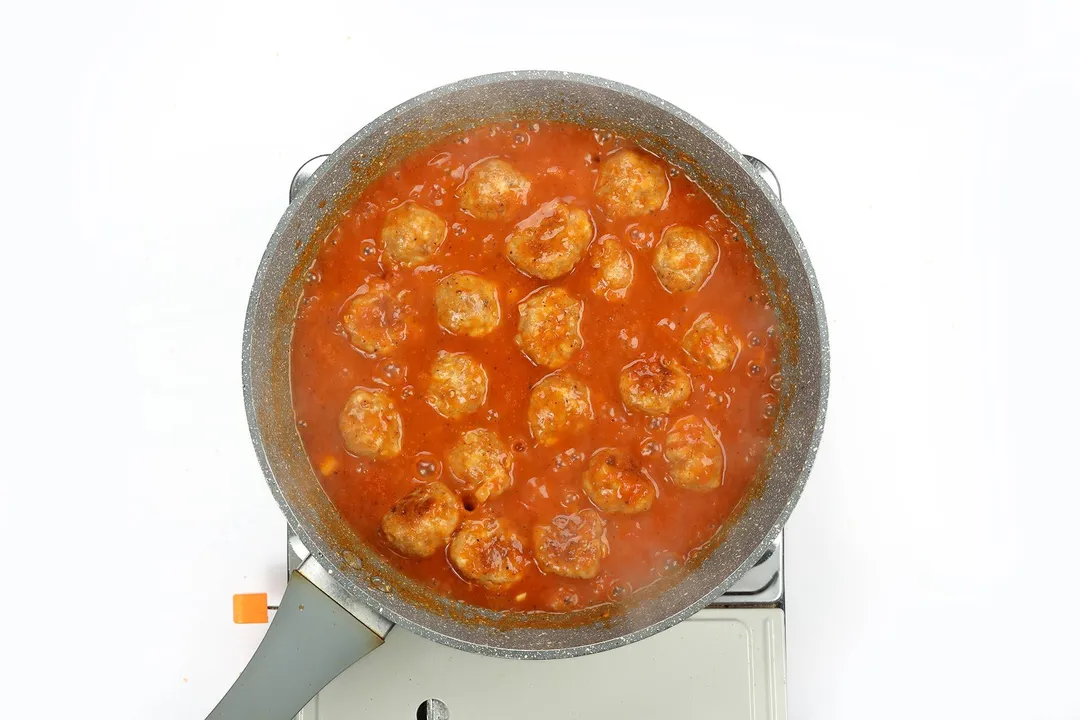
{"points": [[765, 172], [317, 632], [304, 174]]}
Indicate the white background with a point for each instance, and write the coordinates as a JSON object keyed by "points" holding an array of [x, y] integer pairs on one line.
{"points": [[928, 153]]}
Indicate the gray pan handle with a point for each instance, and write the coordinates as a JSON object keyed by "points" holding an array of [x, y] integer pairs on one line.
{"points": [[317, 632], [311, 640]]}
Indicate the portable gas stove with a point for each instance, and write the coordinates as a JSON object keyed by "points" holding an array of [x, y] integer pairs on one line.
{"points": [[729, 661]]}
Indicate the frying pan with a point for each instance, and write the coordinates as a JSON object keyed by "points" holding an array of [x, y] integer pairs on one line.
{"points": [[344, 598]]}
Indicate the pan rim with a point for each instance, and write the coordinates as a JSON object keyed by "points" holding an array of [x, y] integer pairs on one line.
{"points": [[326, 554]]}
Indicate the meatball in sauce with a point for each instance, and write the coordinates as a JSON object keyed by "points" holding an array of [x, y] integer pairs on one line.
{"points": [[421, 523], [481, 460], [631, 183], [549, 328], [550, 243], [571, 546], [489, 553], [467, 304], [412, 235]]}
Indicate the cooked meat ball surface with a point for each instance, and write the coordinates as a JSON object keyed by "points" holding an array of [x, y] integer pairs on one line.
{"points": [[493, 189], [612, 269], [684, 258], [615, 483], [370, 424], [467, 304], [631, 183], [654, 386], [550, 242], [489, 553], [549, 326], [483, 462], [559, 407], [374, 319], [572, 545], [421, 523], [458, 385], [709, 345], [412, 234], [694, 455]]}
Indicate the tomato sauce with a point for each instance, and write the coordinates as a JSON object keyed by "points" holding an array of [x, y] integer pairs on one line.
{"points": [[561, 161]]}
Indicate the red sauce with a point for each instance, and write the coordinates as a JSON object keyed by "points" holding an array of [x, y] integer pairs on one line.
{"points": [[561, 161]]}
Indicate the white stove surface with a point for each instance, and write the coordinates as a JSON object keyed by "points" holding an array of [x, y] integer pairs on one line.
{"points": [[723, 663], [729, 661]]}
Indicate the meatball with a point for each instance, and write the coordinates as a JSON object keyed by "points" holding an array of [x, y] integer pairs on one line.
{"points": [[549, 326], [631, 183], [422, 522], [694, 455], [654, 386], [708, 344], [572, 545], [613, 269], [489, 553], [493, 190], [616, 484], [684, 258], [559, 406], [550, 242], [370, 424], [458, 385], [374, 318], [467, 304], [483, 463], [412, 234]]}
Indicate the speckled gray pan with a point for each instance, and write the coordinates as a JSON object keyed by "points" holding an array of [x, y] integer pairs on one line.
{"points": [[720, 171]]}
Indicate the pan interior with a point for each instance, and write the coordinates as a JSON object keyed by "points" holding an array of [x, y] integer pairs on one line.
{"points": [[658, 126]]}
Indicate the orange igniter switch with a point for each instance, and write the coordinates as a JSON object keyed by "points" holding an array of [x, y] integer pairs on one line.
{"points": [[250, 608]]}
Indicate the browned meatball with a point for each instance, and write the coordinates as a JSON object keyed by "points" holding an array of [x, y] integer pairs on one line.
{"points": [[684, 258], [493, 190], [458, 385], [694, 455], [467, 304], [559, 407], [489, 553], [631, 183], [482, 461], [613, 269], [550, 242], [572, 545], [616, 484], [422, 522], [370, 424], [412, 234], [709, 344], [654, 386], [549, 326], [374, 318]]}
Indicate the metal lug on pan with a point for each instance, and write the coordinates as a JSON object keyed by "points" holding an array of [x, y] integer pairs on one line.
{"points": [[301, 560], [304, 174], [323, 579], [764, 171]]}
